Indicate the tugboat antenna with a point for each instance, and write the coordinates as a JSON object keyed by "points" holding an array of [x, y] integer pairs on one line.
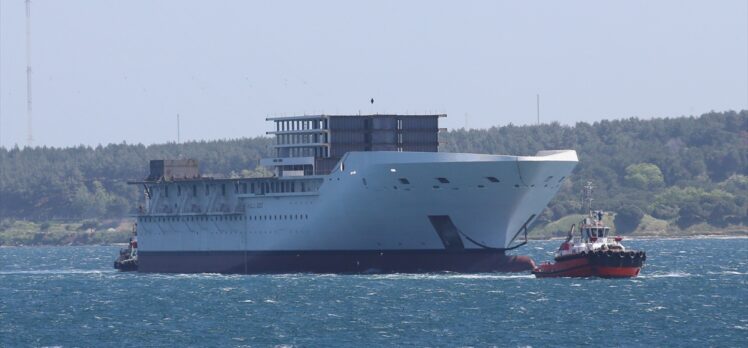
{"points": [[588, 196]]}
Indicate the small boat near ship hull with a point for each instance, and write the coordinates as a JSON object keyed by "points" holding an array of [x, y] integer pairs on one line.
{"points": [[127, 265], [128, 257], [594, 264]]}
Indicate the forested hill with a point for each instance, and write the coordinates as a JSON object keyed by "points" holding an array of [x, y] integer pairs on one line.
{"points": [[687, 170], [44, 183]]}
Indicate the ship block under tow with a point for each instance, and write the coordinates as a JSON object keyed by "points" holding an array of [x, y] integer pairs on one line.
{"points": [[376, 211]]}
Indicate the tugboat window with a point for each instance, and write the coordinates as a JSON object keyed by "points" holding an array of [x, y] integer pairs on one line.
{"points": [[443, 180], [404, 181]]}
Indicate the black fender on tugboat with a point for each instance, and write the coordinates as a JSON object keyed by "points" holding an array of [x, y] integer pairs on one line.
{"points": [[597, 257], [630, 259], [619, 260]]}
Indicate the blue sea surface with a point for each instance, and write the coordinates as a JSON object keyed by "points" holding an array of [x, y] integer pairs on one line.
{"points": [[691, 293]]}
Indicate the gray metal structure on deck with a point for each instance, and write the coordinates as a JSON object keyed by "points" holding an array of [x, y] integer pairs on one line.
{"points": [[313, 144]]}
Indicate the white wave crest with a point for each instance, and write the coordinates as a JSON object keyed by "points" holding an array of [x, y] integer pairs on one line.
{"points": [[666, 275]]}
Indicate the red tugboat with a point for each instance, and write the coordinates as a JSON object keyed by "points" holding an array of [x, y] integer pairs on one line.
{"points": [[593, 254]]}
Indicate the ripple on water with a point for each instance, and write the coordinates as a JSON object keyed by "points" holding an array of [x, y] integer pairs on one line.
{"points": [[70, 297], [666, 275]]}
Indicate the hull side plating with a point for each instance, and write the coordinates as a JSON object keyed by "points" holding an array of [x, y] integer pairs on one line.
{"points": [[375, 211], [361, 261]]}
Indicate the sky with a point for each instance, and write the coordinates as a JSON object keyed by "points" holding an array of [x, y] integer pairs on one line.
{"points": [[106, 71]]}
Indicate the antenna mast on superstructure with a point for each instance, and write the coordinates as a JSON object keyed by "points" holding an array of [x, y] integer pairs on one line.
{"points": [[29, 133], [179, 139]]}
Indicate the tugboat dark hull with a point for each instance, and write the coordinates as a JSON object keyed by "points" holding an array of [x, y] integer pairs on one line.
{"points": [[607, 264], [126, 265]]}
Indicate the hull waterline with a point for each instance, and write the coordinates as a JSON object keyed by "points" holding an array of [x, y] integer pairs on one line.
{"points": [[405, 261]]}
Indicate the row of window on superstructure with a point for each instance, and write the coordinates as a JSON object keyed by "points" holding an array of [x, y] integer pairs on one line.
{"points": [[293, 125], [291, 139], [192, 218], [310, 151], [261, 187], [279, 217], [223, 218]]}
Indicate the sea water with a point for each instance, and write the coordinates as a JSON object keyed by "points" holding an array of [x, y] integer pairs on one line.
{"points": [[691, 292]]}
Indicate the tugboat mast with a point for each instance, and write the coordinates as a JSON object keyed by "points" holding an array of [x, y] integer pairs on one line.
{"points": [[588, 196]]}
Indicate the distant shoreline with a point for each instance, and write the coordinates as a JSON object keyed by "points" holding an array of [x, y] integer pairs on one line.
{"points": [[117, 232], [726, 234], [530, 239], [650, 237]]}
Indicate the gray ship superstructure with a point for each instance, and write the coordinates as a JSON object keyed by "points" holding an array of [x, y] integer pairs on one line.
{"points": [[349, 194]]}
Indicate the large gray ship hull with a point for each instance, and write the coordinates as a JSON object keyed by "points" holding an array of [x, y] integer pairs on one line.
{"points": [[376, 212]]}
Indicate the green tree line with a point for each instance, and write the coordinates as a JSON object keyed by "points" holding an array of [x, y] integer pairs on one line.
{"points": [[44, 183], [687, 170]]}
